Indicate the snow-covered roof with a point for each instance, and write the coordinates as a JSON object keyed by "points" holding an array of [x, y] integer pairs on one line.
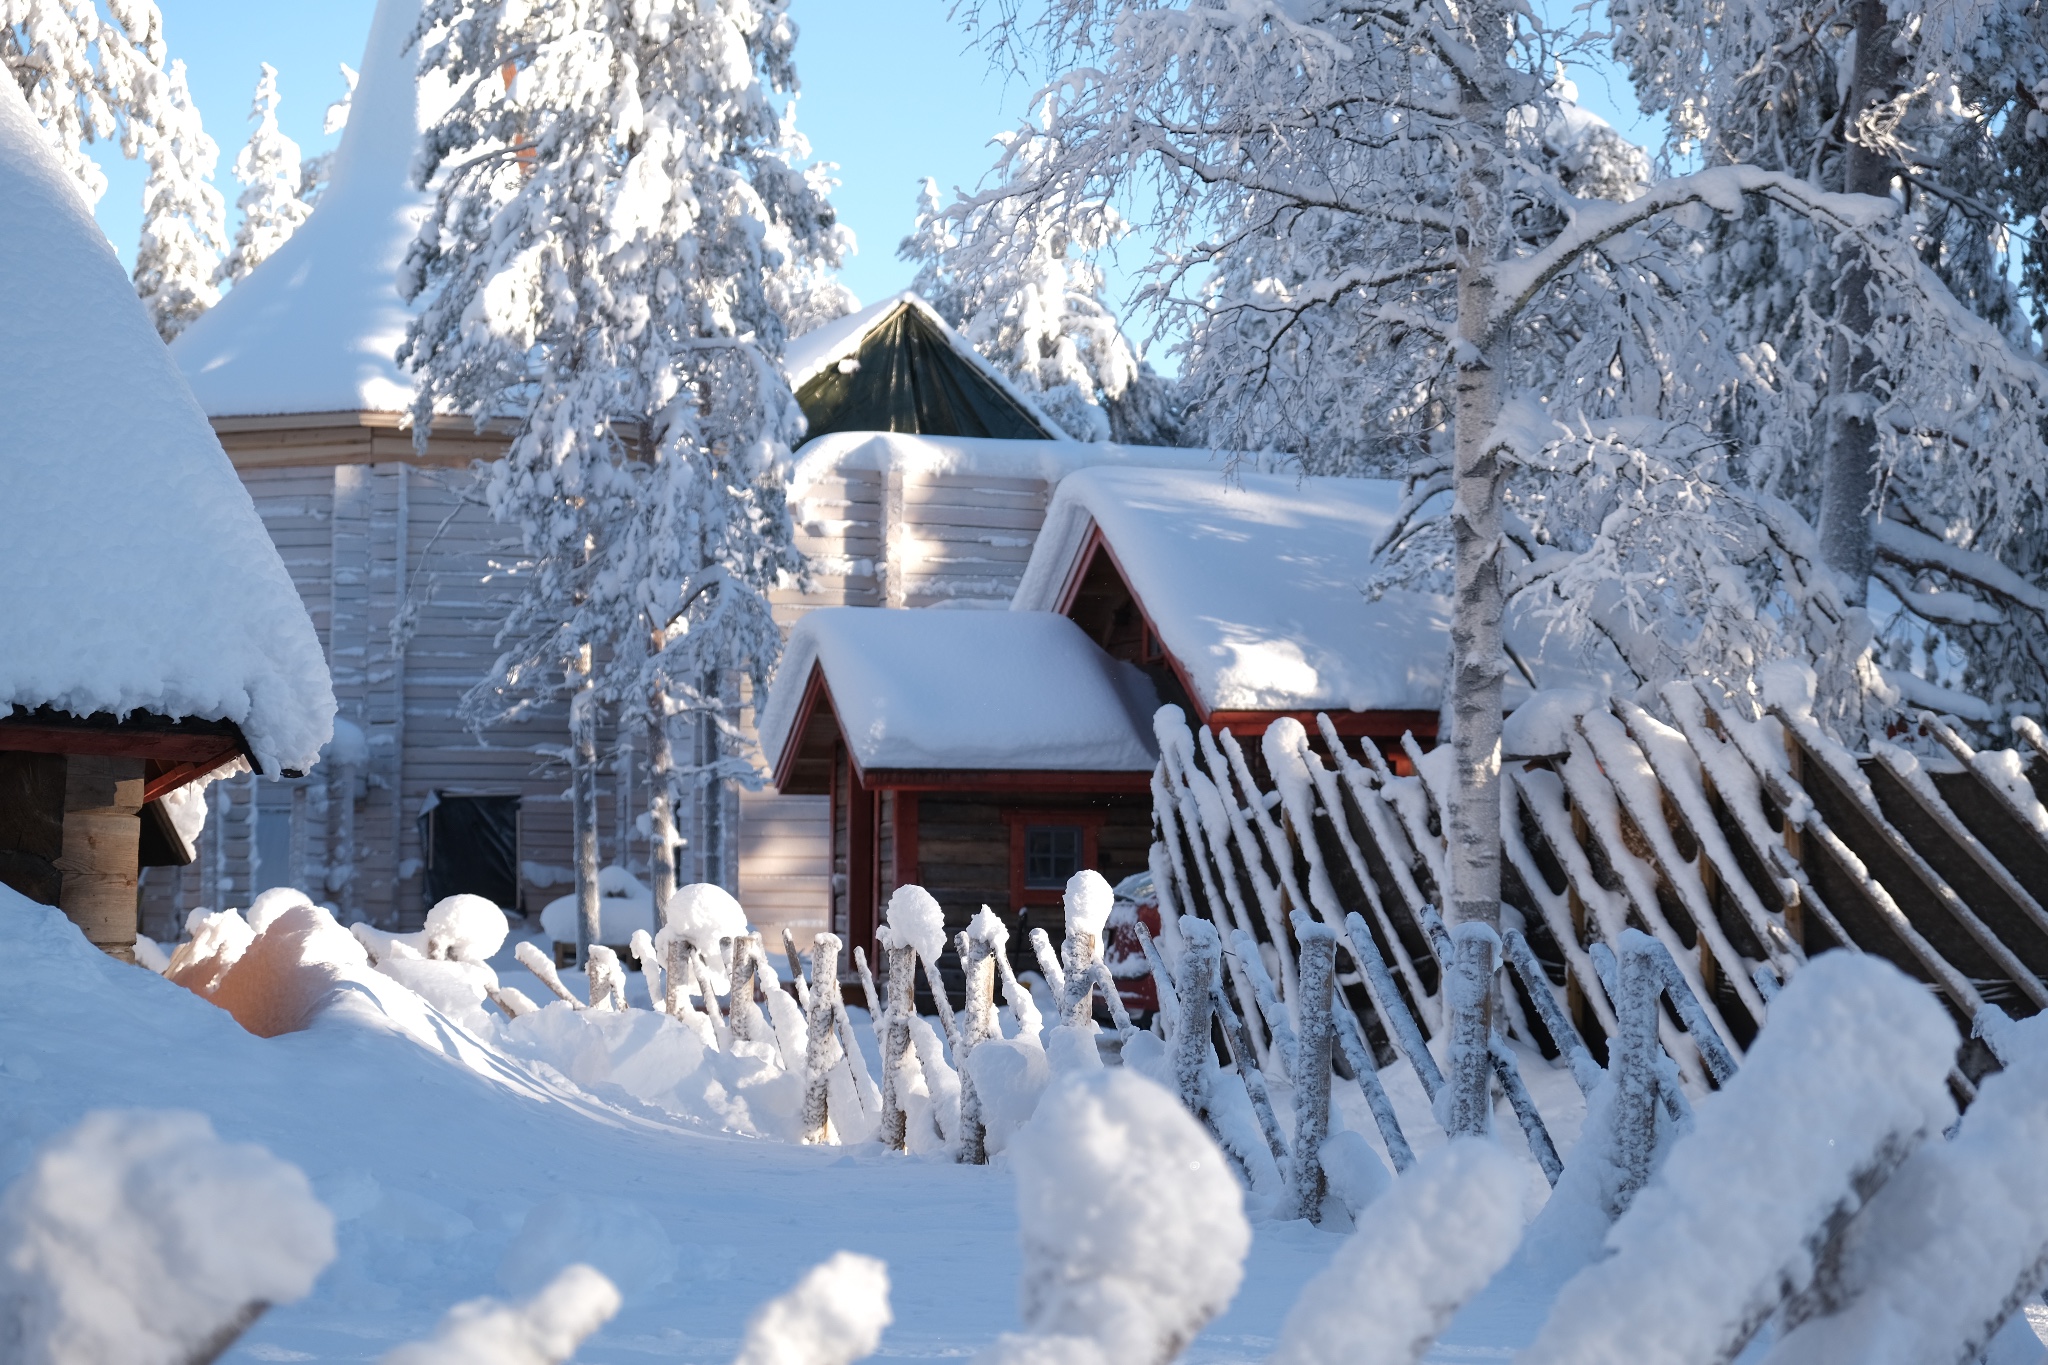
{"points": [[964, 690], [315, 328], [137, 574], [908, 453], [1254, 586], [841, 339]]}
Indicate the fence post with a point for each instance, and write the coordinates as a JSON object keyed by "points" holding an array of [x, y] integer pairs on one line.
{"points": [[1317, 962]]}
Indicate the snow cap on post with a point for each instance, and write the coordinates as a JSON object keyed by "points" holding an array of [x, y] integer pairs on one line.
{"points": [[155, 585], [703, 915], [1089, 899], [833, 1316], [465, 928], [1133, 1227], [916, 921], [143, 1238], [544, 1330]]}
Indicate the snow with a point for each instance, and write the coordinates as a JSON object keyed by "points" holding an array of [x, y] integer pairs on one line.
{"points": [[1133, 1226], [624, 904], [705, 916], [1256, 586], [1956, 1239], [950, 689], [140, 577], [1424, 1247], [834, 1315], [916, 921], [1851, 1072], [137, 1236], [1088, 900], [317, 326], [542, 1331]]}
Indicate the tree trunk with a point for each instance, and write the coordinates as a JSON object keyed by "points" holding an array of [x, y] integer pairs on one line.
{"points": [[583, 816], [1848, 514], [661, 823], [1478, 663]]}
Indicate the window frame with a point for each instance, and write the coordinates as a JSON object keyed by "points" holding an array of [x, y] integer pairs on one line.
{"points": [[1020, 819]]}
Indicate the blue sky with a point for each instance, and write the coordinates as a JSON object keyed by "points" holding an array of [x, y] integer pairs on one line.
{"points": [[892, 91]]}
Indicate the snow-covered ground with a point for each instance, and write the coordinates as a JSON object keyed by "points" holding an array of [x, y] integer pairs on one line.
{"points": [[456, 1171]]}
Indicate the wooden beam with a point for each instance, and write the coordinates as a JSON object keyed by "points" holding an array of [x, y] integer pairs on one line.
{"points": [[140, 734]]}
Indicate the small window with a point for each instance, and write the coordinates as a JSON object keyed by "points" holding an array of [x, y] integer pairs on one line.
{"points": [[1052, 854]]}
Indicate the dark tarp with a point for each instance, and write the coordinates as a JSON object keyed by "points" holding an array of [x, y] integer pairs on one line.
{"points": [[472, 845], [910, 379]]}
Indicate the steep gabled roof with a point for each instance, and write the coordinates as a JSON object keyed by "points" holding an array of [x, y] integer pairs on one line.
{"points": [[897, 366], [317, 326], [137, 574], [1255, 588], [981, 691]]}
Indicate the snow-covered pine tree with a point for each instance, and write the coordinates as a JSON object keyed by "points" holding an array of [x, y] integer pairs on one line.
{"points": [[268, 169], [86, 80], [1021, 283], [621, 241], [184, 221], [315, 171], [1382, 262]]}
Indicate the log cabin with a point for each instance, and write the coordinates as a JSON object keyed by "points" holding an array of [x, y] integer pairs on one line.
{"points": [[981, 755], [149, 634]]}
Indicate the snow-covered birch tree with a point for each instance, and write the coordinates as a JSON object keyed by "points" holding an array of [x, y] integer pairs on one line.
{"points": [[1386, 260], [184, 221], [1022, 283], [267, 168], [1910, 430], [621, 240]]}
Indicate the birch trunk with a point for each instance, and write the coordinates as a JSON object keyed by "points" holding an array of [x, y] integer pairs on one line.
{"points": [[1848, 516], [583, 814], [822, 1055], [1478, 664]]}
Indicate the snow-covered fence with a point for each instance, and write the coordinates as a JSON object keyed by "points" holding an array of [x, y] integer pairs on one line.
{"points": [[1663, 880]]}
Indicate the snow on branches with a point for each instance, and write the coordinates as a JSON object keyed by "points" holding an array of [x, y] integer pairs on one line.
{"points": [[268, 170], [620, 242]]}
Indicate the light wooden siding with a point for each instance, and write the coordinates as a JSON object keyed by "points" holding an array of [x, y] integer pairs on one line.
{"points": [[786, 864], [963, 538]]}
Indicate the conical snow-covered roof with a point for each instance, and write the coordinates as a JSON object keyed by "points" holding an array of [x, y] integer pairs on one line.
{"points": [[315, 327], [137, 576]]}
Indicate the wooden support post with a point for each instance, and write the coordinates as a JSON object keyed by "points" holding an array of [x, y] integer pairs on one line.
{"points": [[102, 846], [32, 824], [863, 873]]}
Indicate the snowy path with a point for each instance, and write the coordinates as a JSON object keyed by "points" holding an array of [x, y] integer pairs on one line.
{"points": [[433, 1160]]}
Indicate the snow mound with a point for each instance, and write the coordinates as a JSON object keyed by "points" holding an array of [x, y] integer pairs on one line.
{"points": [[156, 587], [289, 972], [138, 1237], [916, 920], [1541, 726], [544, 1330], [215, 940], [833, 1316], [1420, 1251], [623, 904], [1088, 900], [1132, 1224], [268, 905]]}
